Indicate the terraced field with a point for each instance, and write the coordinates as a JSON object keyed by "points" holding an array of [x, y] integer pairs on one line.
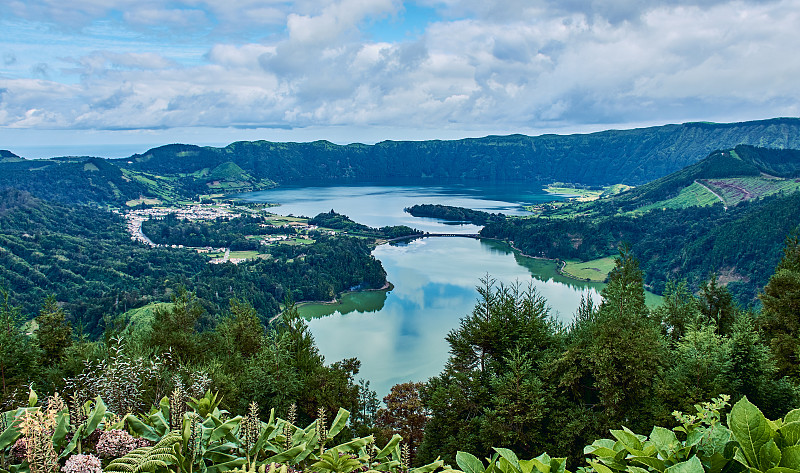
{"points": [[738, 189]]}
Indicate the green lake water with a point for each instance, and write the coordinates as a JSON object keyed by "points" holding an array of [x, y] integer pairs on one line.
{"points": [[399, 334]]}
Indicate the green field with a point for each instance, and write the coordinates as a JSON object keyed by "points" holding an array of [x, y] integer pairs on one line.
{"points": [[595, 270], [693, 196], [297, 241], [581, 194], [243, 254], [143, 200]]}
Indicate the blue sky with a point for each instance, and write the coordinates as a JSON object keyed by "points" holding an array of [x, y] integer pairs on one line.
{"points": [[111, 77]]}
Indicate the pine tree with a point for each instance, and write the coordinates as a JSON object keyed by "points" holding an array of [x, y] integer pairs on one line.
{"points": [[781, 314], [717, 306], [54, 333], [626, 348]]}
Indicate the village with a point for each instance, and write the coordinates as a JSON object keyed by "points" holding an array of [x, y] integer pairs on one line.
{"points": [[214, 211]]}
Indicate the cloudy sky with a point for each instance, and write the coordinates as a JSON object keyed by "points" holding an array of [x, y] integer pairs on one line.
{"points": [[121, 75]]}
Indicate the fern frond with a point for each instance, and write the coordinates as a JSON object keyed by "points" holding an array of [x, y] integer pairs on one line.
{"points": [[147, 459]]}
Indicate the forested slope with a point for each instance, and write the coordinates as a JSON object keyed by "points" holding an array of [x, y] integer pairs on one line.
{"points": [[627, 156], [84, 257], [70, 180], [741, 241]]}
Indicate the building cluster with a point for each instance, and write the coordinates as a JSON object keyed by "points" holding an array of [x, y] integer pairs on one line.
{"points": [[189, 212]]}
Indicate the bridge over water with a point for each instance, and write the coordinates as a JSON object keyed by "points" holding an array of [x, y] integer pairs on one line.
{"points": [[425, 235]]}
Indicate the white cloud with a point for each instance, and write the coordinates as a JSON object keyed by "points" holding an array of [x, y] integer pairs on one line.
{"points": [[485, 65]]}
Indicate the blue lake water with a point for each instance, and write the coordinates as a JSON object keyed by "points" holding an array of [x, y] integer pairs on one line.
{"points": [[399, 335]]}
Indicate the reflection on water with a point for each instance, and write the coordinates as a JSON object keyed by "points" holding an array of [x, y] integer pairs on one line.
{"points": [[401, 337], [363, 301]]}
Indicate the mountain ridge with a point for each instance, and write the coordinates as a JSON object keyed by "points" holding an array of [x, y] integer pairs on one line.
{"points": [[632, 156]]}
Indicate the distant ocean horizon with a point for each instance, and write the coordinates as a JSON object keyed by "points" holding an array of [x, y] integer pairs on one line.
{"points": [[94, 150], [109, 151]]}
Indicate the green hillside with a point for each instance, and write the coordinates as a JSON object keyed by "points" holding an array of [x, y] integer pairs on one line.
{"points": [[9, 157], [609, 157], [85, 257], [71, 180], [632, 157], [728, 177], [722, 214]]}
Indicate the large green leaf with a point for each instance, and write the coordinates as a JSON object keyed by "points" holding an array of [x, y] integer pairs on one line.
{"points": [[469, 463], [223, 430], [142, 429], [430, 467], [692, 465], [636, 469], [354, 445], [630, 440], [652, 462], [73, 444], [229, 465], [600, 468], [96, 416], [289, 455], [391, 445], [558, 465], [510, 457], [339, 422], [769, 456], [526, 466], [790, 457], [750, 428], [61, 430], [10, 435], [542, 463], [790, 433], [792, 416], [717, 462], [665, 441]]}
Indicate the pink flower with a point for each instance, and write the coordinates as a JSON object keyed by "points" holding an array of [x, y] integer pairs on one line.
{"points": [[82, 464], [115, 443]]}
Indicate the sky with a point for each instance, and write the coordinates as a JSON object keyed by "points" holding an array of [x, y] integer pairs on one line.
{"points": [[115, 77]]}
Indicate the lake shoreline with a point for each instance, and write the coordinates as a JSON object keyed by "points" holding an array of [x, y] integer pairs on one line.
{"points": [[387, 287]]}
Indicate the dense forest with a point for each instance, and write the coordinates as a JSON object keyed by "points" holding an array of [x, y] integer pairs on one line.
{"points": [[517, 383], [454, 214], [84, 257], [672, 235], [609, 157], [222, 233], [338, 221]]}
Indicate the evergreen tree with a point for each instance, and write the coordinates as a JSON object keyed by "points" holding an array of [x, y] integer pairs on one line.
{"points": [[781, 314], [753, 372], [626, 350], [679, 310], [473, 401], [240, 332], [717, 306], [699, 368], [175, 329], [54, 333], [18, 354]]}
